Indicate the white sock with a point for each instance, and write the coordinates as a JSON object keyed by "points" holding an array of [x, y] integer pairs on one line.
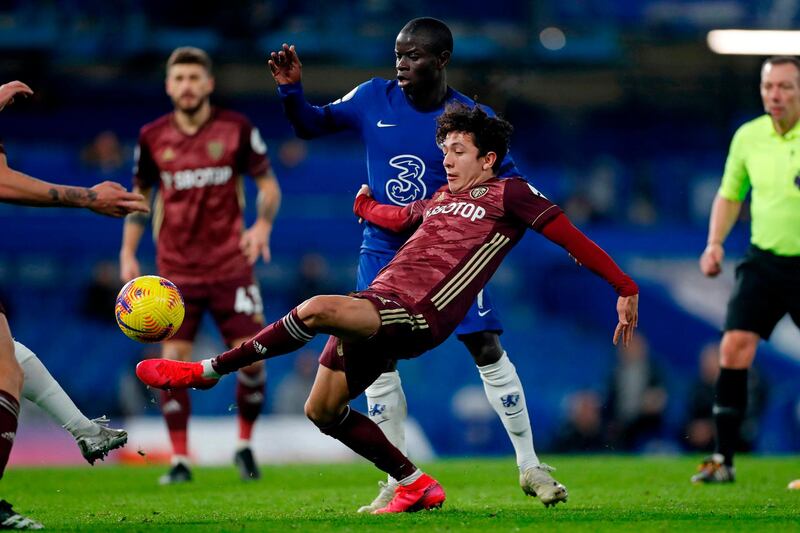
{"points": [[504, 392], [208, 370], [406, 481], [42, 389], [386, 406]]}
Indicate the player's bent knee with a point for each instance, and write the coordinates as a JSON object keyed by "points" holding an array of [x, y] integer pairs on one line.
{"points": [[738, 349], [484, 346]]}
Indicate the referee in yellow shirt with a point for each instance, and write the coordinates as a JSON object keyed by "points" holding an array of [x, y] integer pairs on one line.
{"points": [[765, 157]]}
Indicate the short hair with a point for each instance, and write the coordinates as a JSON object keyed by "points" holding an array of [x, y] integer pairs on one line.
{"points": [[783, 60], [490, 134], [435, 32], [189, 55]]}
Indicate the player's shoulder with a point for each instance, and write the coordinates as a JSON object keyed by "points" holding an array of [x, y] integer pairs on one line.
{"points": [[378, 86], [228, 115], [758, 126], [157, 125]]}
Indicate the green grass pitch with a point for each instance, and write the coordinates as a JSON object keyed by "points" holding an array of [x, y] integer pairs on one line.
{"points": [[606, 494]]}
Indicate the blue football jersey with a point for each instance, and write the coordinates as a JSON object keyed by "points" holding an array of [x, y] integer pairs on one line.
{"points": [[404, 163]]}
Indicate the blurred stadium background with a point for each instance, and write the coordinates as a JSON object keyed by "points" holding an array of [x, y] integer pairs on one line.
{"points": [[622, 115]]}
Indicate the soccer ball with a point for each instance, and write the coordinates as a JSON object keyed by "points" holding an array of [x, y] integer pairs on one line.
{"points": [[149, 309]]}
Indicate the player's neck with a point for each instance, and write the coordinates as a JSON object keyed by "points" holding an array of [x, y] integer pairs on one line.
{"points": [[429, 98], [783, 126], [190, 123]]}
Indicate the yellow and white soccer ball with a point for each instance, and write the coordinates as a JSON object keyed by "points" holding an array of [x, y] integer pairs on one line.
{"points": [[149, 309]]}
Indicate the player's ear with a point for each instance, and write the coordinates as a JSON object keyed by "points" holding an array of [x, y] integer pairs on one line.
{"points": [[444, 58], [211, 83], [489, 160]]}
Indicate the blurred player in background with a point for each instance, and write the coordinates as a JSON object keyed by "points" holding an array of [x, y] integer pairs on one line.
{"points": [[397, 121], [196, 157], [21, 372], [764, 156], [463, 233]]}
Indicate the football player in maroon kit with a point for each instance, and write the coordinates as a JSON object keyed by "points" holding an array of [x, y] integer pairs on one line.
{"points": [[418, 299], [195, 156], [21, 372]]}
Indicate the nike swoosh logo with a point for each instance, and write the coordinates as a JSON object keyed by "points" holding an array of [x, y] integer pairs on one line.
{"points": [[512, 414], [382, 125], [484, 313], [381, 422]]}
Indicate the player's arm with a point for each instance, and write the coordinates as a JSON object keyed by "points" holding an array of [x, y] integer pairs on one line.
{"points": [[727, 204], [255, 240], [309, 121], [132, 232], [562, 232], [392, 217], [724, 214], [106, 198]]}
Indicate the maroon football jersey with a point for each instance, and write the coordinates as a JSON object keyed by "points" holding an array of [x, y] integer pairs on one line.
{"points": [[462, 239], [197, 220]]}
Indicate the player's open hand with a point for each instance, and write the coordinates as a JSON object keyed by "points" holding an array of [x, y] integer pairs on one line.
{"points": [[112, 199], [11, 89], [128, 267], [628, 312], [255, 242], [711, 260], [285, 65]]}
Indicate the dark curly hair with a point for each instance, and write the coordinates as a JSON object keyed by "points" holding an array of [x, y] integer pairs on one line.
{"points": [[490, 134]]}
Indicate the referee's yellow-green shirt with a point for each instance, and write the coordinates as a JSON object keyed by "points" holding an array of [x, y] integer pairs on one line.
{"points": [[761, 159]]}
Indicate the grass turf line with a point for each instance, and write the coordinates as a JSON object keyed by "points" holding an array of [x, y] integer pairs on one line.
{"points": [[606, 494]]}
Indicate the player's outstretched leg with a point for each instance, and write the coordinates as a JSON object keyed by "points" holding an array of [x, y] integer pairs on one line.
{"points": [[94, 438], [386, 403], [10, 519], [284, 336]]}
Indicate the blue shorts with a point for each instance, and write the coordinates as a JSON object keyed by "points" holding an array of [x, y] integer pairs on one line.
{"points": [[482, 316]]}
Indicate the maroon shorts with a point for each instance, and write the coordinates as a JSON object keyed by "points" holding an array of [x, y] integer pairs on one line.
{"points": [[403, 334], [235, 305]]}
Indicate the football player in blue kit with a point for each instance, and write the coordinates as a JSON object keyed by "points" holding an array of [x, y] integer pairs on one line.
{"points": [[397, 123]]}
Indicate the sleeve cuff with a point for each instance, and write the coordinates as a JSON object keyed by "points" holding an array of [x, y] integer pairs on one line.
{"points": [[289, 89]]}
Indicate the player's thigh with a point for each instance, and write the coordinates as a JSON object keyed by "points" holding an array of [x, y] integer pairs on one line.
{"points": [[10, 371], [343, 316], [482, 316], [756, 304], [237, 309], [328, 397], [195, 302]]}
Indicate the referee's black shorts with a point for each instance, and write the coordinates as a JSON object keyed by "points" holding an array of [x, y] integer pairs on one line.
{"points": [[767, 287]]}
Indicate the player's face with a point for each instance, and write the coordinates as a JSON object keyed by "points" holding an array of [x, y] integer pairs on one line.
{"points": [[463, 166], [780, 92], [416, 66], [189, 85]]}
